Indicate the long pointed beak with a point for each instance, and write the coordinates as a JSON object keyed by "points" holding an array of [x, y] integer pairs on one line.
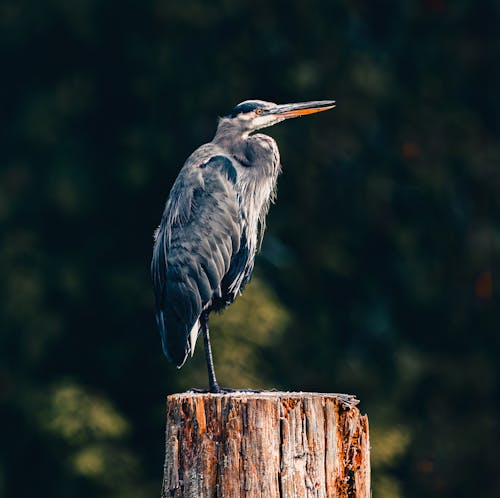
{"points": [[303, 108]]}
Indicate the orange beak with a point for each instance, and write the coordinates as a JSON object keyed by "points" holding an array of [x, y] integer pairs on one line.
{"points": [[303, 108]]}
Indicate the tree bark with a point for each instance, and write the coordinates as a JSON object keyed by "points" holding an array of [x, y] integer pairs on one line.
{"points": [[268, 444]]}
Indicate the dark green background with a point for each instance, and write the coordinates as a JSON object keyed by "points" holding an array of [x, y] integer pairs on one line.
{"points": [[378, 274]]}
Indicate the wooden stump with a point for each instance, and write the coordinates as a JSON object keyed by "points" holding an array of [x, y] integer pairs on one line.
{"points": [[268, 444]]}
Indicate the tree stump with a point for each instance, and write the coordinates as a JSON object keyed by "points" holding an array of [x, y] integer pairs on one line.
{"points": [[267, 444]]}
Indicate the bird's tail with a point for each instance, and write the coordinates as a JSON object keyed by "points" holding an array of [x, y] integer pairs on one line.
{"points": [[176, 350]]}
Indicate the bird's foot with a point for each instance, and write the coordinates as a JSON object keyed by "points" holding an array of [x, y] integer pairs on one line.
{"points": [[222, 390], [214, 389]]}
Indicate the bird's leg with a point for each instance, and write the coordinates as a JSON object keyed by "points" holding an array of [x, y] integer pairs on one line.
{"points": [[213, 386]]}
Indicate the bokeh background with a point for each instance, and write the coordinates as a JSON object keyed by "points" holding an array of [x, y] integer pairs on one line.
{"points": [[378, 274]]}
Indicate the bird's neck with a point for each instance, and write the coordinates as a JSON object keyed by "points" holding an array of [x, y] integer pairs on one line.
{"points": [[230, 137]]}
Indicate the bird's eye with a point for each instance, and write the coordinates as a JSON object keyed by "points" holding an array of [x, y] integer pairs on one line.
{"points": [[258, 111]]}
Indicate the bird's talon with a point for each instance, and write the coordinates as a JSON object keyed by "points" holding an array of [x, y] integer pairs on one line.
{"points": [[222, 390]]}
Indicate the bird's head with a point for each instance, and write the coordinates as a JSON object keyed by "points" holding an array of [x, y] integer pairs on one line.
{"points": [[252, 115]]}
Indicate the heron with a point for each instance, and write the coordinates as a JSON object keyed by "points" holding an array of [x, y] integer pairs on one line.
{"points": [[213, 224]]}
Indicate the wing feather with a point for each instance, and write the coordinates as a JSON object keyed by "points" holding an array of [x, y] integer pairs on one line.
{"points": [[200, 231]]}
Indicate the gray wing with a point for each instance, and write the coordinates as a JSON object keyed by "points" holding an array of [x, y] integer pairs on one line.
{"points": [[198, 236]]}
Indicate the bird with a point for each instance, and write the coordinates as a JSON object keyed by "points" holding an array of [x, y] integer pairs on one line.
{"points": [[213, 224]]}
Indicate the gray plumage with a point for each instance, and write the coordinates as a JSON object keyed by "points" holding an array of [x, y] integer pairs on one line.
{"points": [[213, 224]]}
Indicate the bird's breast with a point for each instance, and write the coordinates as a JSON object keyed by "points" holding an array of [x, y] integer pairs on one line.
{"points": [[257, 186]]}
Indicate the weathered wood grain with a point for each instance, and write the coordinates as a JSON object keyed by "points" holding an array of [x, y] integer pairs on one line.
{"points": [[268, 444]]}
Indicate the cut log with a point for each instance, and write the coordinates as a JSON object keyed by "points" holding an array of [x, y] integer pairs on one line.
{"points": [[267, 444]]}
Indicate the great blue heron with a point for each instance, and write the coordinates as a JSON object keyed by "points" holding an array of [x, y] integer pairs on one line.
{"points": [[213, 224]]}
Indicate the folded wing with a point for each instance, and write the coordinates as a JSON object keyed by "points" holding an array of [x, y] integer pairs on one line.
{"points": [[198, 239]]}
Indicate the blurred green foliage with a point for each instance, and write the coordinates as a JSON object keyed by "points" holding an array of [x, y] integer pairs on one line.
{"points": [[378, 274]]}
